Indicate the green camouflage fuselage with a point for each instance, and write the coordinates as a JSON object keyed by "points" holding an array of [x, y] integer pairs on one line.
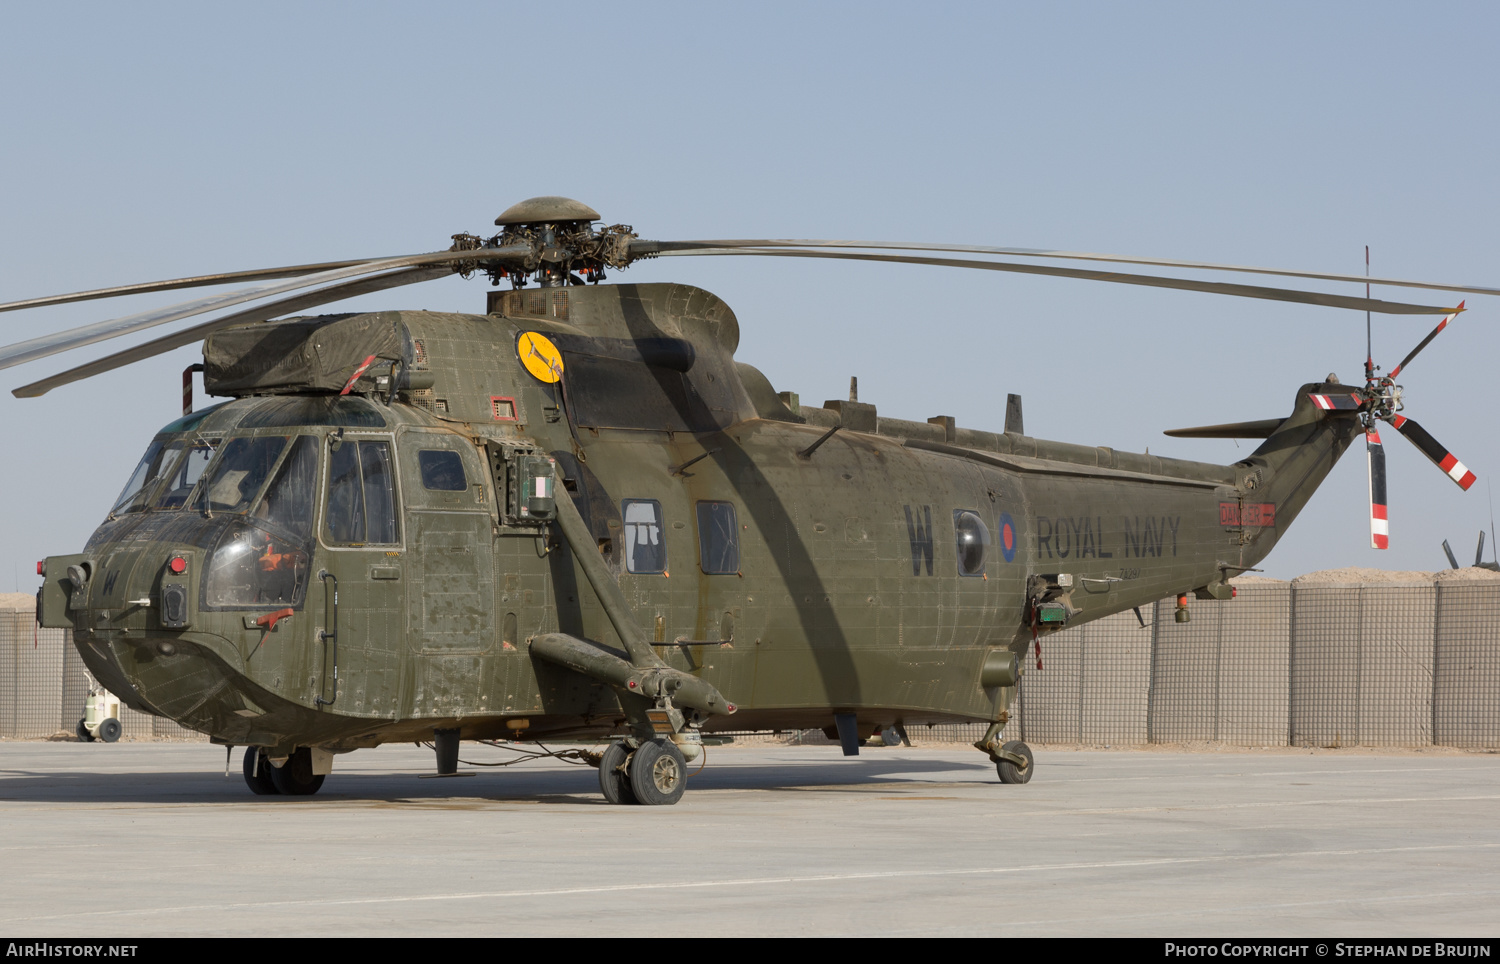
{"points": [[848, 592]]}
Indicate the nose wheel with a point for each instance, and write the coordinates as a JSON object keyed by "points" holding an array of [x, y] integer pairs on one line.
{"points": [[614, 782], [257, 771], [294, 778]]}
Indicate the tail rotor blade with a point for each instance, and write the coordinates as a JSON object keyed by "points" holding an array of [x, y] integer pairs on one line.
{"points": [[1380, 530], [1479, 553], [1428, 340], [1434, 450], [1448, 551]]}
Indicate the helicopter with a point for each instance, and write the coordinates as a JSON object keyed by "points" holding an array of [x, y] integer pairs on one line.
{"points": [[579, 517]]}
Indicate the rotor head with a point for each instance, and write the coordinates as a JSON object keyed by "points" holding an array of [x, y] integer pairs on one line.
{"points": [[549, 209]]}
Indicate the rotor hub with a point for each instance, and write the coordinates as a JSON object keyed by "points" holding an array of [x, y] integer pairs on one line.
{"points": [[555, 240]]}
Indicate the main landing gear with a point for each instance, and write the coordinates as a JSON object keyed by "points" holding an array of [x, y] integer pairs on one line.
{"points": [[294, 778], [654, 774], [1010, 768], [1013, 760]]}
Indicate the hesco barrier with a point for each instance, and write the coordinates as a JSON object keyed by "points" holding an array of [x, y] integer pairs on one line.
{"points": [[1339, 658], [1224, 676], [1362, 657], [43, 686], [1466, 661]]}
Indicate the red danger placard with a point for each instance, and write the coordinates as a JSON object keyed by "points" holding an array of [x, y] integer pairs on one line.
{"points": [[1251, 515]]}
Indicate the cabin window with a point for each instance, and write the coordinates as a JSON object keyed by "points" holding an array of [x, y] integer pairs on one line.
{"points": [[718, 538], [645, 546], [361, 495], [973, 538], [235, 479], [442, 471]]}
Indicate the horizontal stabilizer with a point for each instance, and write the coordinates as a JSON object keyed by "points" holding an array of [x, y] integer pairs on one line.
{"points": [[1260, 429]]}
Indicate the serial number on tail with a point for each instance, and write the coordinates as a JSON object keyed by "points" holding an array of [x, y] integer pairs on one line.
{"points": [[1251, 515]]}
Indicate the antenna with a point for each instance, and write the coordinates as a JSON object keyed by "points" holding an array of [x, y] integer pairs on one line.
{"points": [[1369, 343], [1491, 492]]}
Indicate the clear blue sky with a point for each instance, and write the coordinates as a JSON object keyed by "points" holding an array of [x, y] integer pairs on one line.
{"points": [[150, 140]]}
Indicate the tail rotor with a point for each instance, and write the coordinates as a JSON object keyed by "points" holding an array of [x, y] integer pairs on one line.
{"points": [[1381, 401]]}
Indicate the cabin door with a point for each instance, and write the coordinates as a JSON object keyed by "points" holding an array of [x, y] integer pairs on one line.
{"points": [[450, 586], [356, 590]]}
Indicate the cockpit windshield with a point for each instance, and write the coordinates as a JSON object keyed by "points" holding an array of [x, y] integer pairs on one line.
{"points": [[188, 460], [147, 472], [235, 479], [179, 463]]}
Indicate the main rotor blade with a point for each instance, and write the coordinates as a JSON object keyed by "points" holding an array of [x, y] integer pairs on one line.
{"points": [[1434, 450], [1380, 527], [52, 344], [1451, 558], [664, 246], [196, 281], [1154, 281], [1428, 340], [177, 339]]}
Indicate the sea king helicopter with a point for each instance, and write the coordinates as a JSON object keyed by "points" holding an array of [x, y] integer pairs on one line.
{"points": [[577, 516]]}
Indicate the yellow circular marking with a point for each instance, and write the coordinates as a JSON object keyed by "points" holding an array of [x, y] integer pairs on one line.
{"points": [[540, 357]]}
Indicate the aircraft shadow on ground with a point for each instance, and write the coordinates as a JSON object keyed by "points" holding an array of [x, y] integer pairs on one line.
{"points": [[513, 784]]}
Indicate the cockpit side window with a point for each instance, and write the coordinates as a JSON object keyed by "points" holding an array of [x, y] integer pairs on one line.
{"points": [[361, 505], [263, 560], [235, 479]]}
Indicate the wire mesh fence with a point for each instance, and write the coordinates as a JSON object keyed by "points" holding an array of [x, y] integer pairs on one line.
{"points": [[1362, 661], [1223, 676], [1332, 659], [1466, 664]]}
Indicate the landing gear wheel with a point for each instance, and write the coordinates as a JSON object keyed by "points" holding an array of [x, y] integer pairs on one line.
{"points": [[110, 730], [82, 731], [258, 778], [658, 773], [613, 782], [889, 736], [1009, 772], [295, 777]]}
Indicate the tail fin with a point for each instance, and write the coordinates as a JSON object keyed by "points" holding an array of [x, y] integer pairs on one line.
{"points": [[1294, 460]]}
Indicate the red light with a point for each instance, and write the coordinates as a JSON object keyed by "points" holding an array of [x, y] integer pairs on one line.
{"points": [[178, 565], [41, 567]]}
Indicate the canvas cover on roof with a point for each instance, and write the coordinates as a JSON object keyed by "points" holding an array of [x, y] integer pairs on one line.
{"points": [[316, 354]]}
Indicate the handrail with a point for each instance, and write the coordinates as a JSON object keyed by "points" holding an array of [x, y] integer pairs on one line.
{"points": [[324, 636]]}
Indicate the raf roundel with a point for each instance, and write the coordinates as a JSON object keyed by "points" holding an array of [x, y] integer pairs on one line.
{"points": [[1007, 537]]}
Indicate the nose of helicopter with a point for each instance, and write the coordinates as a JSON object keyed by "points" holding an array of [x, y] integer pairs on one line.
{"points": [[132, 611]]}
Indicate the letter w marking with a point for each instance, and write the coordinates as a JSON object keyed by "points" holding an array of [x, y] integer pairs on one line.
{"points": [[920, 533]]}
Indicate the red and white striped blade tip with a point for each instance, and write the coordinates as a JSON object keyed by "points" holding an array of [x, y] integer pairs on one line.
{"points": [[1380, 528], [1435, 450]]}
